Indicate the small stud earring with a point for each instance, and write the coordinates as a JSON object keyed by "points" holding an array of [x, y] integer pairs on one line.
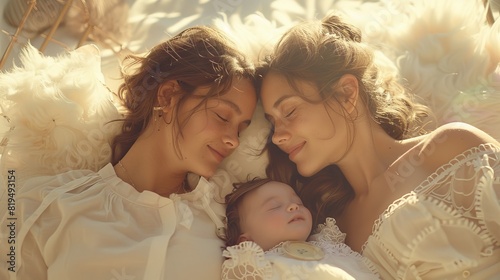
{"points": [[155, 115]]}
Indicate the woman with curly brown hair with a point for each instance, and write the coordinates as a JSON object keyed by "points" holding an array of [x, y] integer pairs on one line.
{"points": [[349, 138], [139, 217]]}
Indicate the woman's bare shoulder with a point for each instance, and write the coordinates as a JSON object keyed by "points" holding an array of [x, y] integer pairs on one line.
{"points": [[458, 137], [450, 140]]}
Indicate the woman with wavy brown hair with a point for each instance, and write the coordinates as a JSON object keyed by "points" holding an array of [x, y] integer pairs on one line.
{"points": [[139, 217], [349, 138]]}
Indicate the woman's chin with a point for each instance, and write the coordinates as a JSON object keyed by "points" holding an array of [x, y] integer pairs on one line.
{"points": [[306, 172], [207, 172]]}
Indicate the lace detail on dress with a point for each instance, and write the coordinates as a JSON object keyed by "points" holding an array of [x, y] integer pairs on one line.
{"points": [[445, 192], [329, 231], [246, 261], [329, 237], [456, 207], [460, 190]]}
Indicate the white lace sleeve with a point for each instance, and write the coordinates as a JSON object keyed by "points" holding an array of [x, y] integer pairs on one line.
{"points": [[329, 231], [329, 237], [246, 261]]}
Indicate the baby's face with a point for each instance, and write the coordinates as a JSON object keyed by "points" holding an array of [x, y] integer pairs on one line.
{"points": [[273, 213]]}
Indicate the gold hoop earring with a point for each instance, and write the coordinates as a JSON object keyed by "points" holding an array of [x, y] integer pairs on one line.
{"points": [[169, 122]]}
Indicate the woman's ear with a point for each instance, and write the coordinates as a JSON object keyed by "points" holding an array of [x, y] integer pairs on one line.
{"points": [[350, 92], [168, 95]]}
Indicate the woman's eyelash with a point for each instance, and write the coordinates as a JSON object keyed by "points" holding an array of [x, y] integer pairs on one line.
{"points": [[220, 117], [289, 114]]}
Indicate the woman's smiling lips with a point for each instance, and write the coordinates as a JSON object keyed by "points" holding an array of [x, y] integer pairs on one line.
{"points": [[218, 155], [295, 150]]}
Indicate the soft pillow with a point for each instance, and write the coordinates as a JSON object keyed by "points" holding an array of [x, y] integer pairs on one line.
{"points": [[56, 112], [248, 160]]}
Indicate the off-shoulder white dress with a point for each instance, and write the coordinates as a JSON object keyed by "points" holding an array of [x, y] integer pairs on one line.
{"points": [[448, 227], [247, 260], [91, 226]]}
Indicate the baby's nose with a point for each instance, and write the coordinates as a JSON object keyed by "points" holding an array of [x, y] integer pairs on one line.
{"points": [[293, 207]]}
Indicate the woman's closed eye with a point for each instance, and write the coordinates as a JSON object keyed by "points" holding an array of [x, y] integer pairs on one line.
{"points": [[290, 113], [221, 117]]}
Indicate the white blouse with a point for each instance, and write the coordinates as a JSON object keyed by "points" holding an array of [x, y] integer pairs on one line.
{"points": [[88, 225]]}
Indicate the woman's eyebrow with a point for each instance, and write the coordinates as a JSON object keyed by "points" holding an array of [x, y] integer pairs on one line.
{"points": [[231, 104], [235, 107], [281, 99], [276, 104]]}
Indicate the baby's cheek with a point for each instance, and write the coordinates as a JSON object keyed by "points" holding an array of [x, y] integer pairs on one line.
{"points": [[276, 220]]}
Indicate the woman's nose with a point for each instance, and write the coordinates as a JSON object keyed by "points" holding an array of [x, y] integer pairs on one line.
{"points": [[231, 139], [280, 134]]}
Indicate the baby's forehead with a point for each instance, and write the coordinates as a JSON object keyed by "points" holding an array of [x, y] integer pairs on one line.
{"points": [[271, 190]]}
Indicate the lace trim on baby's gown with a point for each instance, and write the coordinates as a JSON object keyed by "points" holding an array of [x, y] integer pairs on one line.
{"points": [[329, 231], [329, 237], [476, 157], [246, 261]]}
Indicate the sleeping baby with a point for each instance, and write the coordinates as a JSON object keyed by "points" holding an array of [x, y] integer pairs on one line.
{"points": [[266, 238]]}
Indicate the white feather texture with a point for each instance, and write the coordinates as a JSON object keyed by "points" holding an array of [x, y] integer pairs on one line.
{"points": [[445, 52], [255, 35], [56, 112]]}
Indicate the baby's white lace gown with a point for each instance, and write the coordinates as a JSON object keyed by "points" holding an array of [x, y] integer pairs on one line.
{"points": [[247, 260]]}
